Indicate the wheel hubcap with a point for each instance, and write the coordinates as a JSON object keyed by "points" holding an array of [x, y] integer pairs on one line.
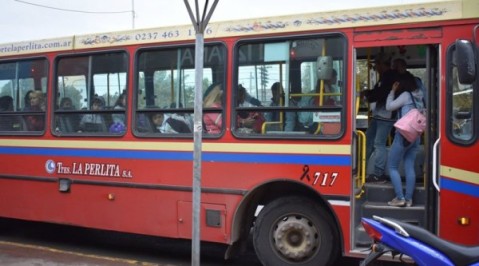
{"points": [[296, 238]]}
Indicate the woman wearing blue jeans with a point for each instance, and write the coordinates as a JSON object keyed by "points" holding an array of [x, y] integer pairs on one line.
{"points": [[405, 87]]}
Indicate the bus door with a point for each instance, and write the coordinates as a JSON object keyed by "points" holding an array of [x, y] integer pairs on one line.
{"points": [[456, 176], [422, 59]]}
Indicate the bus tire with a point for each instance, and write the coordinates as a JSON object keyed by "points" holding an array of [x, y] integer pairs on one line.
{"points": [[295, 231]]}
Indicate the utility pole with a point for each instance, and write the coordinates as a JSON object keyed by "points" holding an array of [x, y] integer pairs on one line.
{"points": [[199, 23], [133, 14]]}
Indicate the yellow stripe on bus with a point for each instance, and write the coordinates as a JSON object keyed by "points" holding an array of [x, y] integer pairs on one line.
{"points": [[459, 174], [182, 146]]}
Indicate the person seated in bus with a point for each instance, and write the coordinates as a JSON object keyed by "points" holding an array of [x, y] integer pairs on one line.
{"points": [[37, 104], [168, 125], [252, 100], [94, 122], [273, 117], [305, 119], [183, 118], [26, 101], [67, 122], [8, 122], [120, 104], [248, 121], [330, 86], [213, 98]]}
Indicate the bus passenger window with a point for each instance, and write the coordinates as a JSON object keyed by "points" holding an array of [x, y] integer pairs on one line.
{"points": [[91, 95], [165, 91], [296, 84], [22, 103]]}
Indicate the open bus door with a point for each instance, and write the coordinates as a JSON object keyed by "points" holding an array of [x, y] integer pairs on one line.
{"points": [[457, 149]]}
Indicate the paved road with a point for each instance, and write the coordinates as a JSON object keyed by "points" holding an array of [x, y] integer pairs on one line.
{"points": [[38, 244]]}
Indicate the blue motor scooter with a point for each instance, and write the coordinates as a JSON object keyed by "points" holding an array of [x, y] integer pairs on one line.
{"points": [[420, 245]]}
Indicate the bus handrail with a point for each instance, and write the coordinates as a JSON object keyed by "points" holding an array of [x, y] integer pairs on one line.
{"points": [[361, 173], [434, 164]]}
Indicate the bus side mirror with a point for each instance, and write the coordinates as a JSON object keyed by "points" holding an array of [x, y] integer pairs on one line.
{"points": [[465, 59]]}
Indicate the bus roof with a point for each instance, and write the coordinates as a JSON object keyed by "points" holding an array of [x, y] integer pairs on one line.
{"points": [[384, 15]]}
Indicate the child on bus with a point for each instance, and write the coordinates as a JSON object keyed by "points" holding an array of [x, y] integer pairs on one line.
{"points": [[94, 122]]}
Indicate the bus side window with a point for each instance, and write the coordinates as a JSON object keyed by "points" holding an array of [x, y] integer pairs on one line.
{"points": [[95, 85], [22, 103], [308, 69], [166, 89]]}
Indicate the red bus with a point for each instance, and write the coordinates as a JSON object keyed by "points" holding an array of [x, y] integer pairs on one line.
{"points": [[96, 129]]}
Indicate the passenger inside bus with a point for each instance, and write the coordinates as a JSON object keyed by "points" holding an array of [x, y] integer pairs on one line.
{"points": [[306, 120], [330, 87], [248, 122], [382, 120], [276, 120], [26, 100], [183, 118], [400, 66], [8, 122], [94, 122], [67, 122], [213, 98], [274, 117], [403, 97], [119, 118], [169, 125], [37, 104]]}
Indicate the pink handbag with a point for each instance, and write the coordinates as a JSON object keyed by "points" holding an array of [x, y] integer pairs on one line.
{"points": [[412, 124]]}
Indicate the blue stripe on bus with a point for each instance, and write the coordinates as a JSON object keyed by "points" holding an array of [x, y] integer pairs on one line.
{"points": [[461, 187], [338, 160]]}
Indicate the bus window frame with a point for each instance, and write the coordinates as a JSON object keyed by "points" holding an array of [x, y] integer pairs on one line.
{"points": [[55, 111], [450, 103], [136, 111], [342, 108], [22, 113]]}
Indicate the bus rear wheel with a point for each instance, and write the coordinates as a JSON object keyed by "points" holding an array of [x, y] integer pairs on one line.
{"points": [[295, 231]]}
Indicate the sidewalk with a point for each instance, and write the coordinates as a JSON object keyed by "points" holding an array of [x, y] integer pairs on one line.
{"points": [[16, 254]]}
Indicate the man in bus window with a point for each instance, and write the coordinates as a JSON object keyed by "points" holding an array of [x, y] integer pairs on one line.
{"points": [[382, 120], [273, 117], [400, 66]]}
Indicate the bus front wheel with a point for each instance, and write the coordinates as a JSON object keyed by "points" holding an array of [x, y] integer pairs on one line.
{"points": [[295, 231]]}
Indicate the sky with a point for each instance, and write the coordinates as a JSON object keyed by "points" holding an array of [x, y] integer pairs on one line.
{"points": [[26, 20]]}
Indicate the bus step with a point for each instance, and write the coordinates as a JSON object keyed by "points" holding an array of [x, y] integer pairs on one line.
{"points": [[385, 192], [414, 214]]}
